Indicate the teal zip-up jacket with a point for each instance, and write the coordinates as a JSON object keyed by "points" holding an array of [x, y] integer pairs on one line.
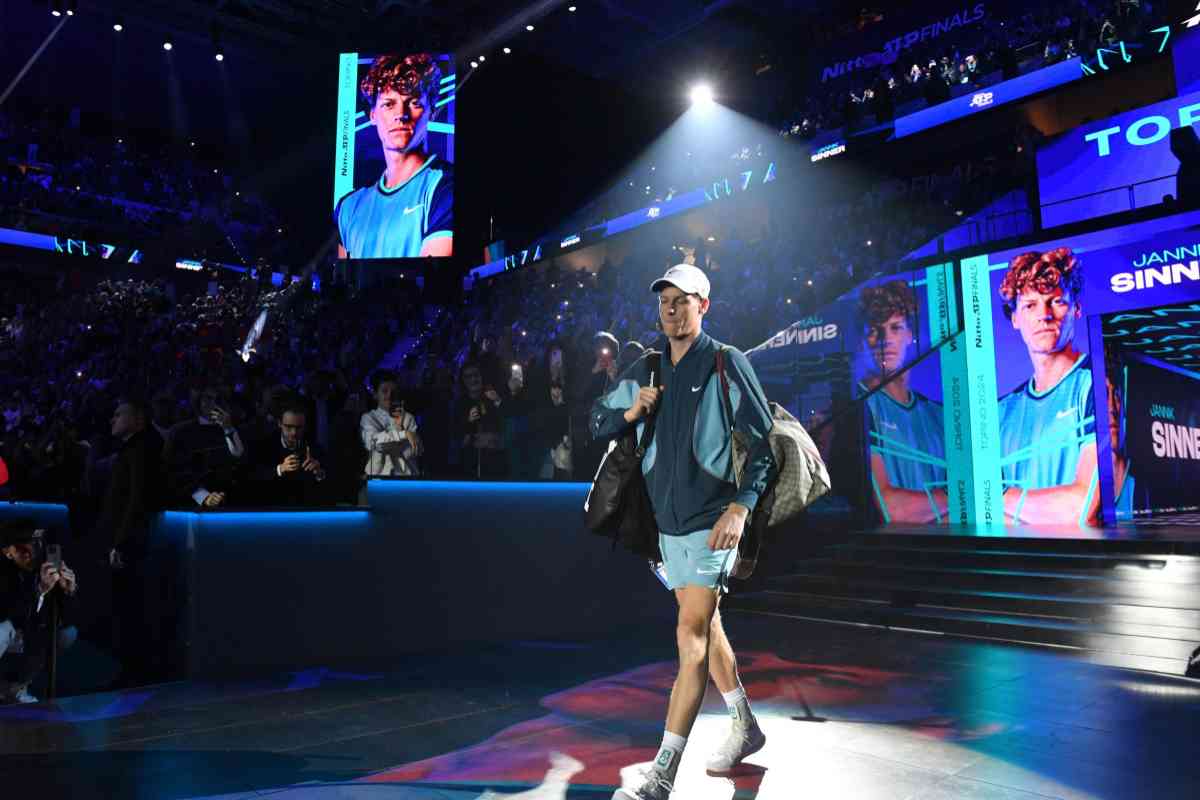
{"points": [[689, 464]]}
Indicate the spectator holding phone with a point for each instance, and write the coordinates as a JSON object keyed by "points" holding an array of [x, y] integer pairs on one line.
{"points": [[26, 581], [203, 454], [478, 419], [389, 433], [589, 452], [287, 471]]}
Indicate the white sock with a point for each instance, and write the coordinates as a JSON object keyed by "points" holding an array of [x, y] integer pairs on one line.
{"points": [[739, 707], [667, 760]]}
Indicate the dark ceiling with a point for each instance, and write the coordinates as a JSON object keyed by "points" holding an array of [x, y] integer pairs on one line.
{"points": [[604, 38]]}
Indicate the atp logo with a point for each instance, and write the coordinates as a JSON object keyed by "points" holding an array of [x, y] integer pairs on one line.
{"points": [[982, 99]]}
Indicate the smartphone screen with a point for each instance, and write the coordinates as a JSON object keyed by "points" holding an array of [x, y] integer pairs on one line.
{"points": [[54, 555]]}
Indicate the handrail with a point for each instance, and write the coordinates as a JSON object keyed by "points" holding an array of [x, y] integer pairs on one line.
{"points": [[1129, 187]]}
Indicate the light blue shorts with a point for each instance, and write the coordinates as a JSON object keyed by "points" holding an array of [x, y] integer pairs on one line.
{"points": [[688, 561]]}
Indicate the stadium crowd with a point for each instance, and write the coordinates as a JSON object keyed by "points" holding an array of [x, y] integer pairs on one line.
{"points": [[498, 386], [1006, 44], [56, 177]]}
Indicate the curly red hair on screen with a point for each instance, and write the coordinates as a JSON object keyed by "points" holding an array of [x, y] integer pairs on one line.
{"points": [[413, 75], [878, 304], [1041, 273]]}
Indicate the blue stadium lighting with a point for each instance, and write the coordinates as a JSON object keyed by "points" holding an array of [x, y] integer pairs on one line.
{"points": [[465, 489], [701, 94]]}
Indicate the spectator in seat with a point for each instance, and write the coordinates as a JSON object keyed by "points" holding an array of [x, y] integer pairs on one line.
{"points": [[630, 352], [162, 414], [479, 421], [326, 393], [551, 431], [203, 455], [265, 423], [389, 433], [287, 471], [587, 451], [524, 450], [26, 581], [347, 458]]}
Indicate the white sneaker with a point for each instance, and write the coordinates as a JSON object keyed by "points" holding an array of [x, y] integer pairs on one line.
{"points": [[740, 743], [654, 786]]}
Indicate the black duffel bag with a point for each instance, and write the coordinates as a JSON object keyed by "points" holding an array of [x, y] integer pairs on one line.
{"points": [[618, 504]]}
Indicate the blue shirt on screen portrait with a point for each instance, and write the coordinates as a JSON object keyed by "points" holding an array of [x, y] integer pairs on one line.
{"points": [[377, 222], [896, 428], [1041, 433]]}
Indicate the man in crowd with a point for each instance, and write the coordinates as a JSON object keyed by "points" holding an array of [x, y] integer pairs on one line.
{"points": [[606, 351], [326, 394], [698, 506], [287, 470], [26, 581], [478, 420], [1048, 423], [389, 433], [203, 454], [132, 495]]}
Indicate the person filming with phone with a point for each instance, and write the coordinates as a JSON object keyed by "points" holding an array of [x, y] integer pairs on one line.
{"points": [[203, 454], [287, 470], [31, 580], [389, 433]]}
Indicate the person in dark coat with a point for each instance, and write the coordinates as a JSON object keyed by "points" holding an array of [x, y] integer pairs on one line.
{"points": [[286, 469], [26, 581], [134, 485], [144, 595]]}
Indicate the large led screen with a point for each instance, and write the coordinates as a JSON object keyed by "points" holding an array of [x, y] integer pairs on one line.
{"points": [[394, 156], [1154, 430], [861, 376], [1061, 339], [1132, 160]]}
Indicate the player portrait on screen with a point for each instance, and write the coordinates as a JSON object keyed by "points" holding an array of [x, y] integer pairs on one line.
{"points": [[1048, 423], [409, 211], [1128, 492], [905, 429]]}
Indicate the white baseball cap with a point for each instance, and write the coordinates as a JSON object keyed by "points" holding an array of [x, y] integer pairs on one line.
{"points": [[685, 278]]}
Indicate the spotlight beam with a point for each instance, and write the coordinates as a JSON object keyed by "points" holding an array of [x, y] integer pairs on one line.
{"points": [[32, 60]]}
